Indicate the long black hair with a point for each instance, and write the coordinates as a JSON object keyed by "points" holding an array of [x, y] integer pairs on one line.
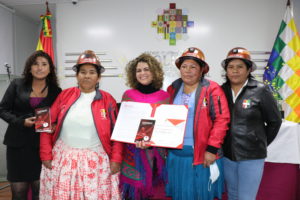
{"points": [[51, 78]]}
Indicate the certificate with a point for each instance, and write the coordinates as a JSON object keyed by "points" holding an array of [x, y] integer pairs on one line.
{"points": [[160, 125]]}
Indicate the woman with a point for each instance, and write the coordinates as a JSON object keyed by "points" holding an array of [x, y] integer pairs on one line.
{"points": [[255, 121], [79, 160], [193, 171], [36, 89], [142, 170]]}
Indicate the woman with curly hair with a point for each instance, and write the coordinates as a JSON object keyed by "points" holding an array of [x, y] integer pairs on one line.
{"points": [[142, 169], [38, 88]]}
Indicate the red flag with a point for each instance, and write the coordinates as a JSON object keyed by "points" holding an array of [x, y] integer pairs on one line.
{"points": [[45, 39]]}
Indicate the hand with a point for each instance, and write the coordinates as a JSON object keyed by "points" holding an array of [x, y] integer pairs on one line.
{"points": [[209, 158], [29, 122], [53, 127], [47, 163], [114, 167], [142, 144]]}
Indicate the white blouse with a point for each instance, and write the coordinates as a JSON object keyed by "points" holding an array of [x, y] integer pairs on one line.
{"points": [[234, 97], [78, 130]]}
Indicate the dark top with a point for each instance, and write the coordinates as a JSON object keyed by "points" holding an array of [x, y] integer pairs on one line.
{"points": [[15, 108], [146, 89], [255, 122]]}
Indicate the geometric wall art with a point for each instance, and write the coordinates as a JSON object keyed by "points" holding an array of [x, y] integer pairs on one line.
{"points": [[172, 24]]}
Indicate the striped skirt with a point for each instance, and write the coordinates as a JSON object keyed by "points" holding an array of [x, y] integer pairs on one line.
{"points": [[188, 181], [78, 174]]}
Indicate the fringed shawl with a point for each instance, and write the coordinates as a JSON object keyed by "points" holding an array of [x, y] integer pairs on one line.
{"points": [[143, 170]]}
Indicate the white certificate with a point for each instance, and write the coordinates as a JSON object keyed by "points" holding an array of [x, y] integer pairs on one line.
{"points": [[160, 125]]}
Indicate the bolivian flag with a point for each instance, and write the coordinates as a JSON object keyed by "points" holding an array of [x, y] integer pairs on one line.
{"points": [[45, 39]]}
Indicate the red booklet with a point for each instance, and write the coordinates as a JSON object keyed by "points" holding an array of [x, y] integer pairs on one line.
{"points": [[145, 130], [43, 120]]}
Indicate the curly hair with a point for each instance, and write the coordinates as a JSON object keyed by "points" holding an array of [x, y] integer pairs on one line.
{"points": [[154, 66], [51, 78]]}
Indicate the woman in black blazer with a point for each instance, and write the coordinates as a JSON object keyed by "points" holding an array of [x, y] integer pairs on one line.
{"points": [[36, 89]]}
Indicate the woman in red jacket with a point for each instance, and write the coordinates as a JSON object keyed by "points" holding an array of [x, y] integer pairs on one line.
{"points": [[79, 160], [195, 172]]}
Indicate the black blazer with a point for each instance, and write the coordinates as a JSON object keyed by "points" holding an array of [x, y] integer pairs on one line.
{"points": [[15, 107]]}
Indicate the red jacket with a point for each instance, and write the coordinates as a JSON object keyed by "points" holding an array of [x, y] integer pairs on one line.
{"points": [[211, 117], [104, 111]]}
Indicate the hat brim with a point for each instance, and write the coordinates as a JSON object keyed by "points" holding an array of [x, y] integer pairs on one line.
{"points": [[253, 65], [75, 67]]}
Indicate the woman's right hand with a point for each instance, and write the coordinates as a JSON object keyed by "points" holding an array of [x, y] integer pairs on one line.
{"points": [[29, 122], [47, 163]]}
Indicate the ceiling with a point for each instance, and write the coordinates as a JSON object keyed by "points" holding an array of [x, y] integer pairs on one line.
{"points": [[32, 9]]}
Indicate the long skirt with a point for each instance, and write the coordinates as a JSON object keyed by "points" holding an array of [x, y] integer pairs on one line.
{"points": [[78, 174], [188, 181]]}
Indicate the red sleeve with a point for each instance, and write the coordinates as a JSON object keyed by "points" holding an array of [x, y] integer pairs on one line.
{"points": [[221, 115], [46, 139], [171, 91], [117, 147]]}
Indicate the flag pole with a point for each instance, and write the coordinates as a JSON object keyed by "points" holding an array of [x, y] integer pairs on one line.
{"points": [[48, 11]]}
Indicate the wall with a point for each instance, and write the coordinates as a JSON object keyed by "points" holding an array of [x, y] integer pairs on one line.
{"points": [[18, 40], [6, 39], [123, 29], [26, 38], [296, 5]]}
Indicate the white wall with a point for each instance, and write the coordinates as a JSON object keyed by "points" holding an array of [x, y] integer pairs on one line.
{"points": [[122, 28], [18, 39], [6, 56], [26, 38], [6, 39], [296, 4]]}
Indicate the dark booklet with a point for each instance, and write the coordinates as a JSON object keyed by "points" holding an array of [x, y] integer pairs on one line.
{"points": [[43, 120], [145, 130]]}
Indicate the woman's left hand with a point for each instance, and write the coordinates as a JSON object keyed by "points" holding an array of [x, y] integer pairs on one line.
{"points": [[209, 158], [142, 144], [115, 167]]}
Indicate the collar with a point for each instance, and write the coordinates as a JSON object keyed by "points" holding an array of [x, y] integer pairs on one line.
{"points": [[252, 83], [98, 95], [146, 89]]}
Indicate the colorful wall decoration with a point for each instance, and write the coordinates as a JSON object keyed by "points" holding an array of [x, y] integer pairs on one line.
{"points": [[172, 23]]}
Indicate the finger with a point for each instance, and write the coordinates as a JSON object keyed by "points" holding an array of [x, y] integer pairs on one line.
{"points": [[205, 164], [31, 121], [143, 144], [31, 118], [138, 144]]}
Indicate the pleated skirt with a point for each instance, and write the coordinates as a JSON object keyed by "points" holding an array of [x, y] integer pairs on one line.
{"points": [[78, 174], [188, 181]]}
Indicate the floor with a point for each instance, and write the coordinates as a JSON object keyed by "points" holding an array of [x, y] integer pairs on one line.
{"points": [[5, 192]]}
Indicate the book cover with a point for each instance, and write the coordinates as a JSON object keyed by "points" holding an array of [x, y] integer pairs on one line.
{"points": [[43, 120], [145, 130]]}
